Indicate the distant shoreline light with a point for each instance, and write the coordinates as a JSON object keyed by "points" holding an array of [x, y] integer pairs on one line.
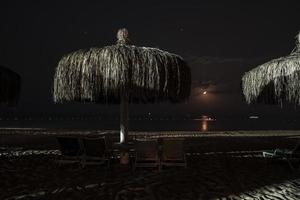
{"points": [[205, 118]]}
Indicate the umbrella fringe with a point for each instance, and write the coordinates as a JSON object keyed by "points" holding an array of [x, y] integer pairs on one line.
{"points": [[99, 74], [281, 75]]}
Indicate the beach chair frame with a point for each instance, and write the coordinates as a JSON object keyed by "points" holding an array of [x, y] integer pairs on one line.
{"points": [[104, 156], [145, 157], [288, 155], [171, 161], [66, 157]]}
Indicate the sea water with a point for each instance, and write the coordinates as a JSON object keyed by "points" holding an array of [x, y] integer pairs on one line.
{"points": [[163, 124]]}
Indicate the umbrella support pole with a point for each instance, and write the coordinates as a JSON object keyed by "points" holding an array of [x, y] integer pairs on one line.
{"points": [[123, 119], [124, 157]]}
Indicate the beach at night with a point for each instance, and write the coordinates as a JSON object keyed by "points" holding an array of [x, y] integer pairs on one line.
{"points": [[149, 100]]}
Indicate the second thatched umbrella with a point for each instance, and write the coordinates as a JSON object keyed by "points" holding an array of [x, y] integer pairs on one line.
{"points": [[10, 84], [275, 82], [122, 73]]}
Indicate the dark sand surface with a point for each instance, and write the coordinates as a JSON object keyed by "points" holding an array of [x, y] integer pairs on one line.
{"points": [[221, 165]]}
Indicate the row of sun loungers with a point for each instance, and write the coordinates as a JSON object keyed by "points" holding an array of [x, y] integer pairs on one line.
{"points": [[99, 151], [84, 150], [144, 153]]}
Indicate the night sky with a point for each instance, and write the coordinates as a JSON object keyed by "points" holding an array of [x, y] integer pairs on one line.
{"points": [[220, 41]]}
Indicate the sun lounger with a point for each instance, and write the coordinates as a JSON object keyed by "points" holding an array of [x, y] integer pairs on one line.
{"points": [[284, 154], [172, 153], [146, 154], [96, 151], [70, 149]]}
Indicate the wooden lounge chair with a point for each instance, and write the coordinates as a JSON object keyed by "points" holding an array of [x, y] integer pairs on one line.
{"points": [[70, 149], [172, 153], [146, 154], [284, 154], [96, 151]]}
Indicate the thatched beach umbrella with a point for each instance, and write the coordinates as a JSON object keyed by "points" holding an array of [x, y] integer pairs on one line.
{"points": [[122, 73], [10, 84], [275, 82]]}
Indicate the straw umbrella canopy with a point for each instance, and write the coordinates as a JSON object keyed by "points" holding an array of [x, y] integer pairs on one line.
{"points": [[275, 82], [122, 73], [10, 84]]}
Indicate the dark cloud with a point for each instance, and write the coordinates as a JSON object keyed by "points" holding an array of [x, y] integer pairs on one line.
{"points": [[217, 75], [203, 84], [213, 60], [213, 87]]}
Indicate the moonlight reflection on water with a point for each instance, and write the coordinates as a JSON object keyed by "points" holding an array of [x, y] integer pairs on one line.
{"points": [[204, 125]]}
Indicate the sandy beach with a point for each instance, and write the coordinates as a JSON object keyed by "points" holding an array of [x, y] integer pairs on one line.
{"points": [[221, 165]]}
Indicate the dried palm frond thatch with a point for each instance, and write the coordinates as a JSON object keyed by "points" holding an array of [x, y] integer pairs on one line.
{"points": [[276, 81], [10, 84], [99, 74]]}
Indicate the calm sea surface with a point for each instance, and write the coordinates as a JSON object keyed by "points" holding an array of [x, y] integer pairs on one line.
{"points": [[161, 124]]}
